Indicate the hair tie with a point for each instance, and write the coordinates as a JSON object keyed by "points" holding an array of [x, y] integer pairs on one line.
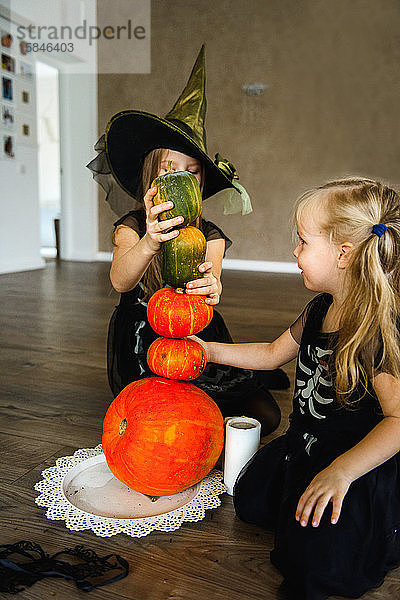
{"points": [[379, 229]]}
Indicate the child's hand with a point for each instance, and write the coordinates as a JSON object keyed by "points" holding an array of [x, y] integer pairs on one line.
{"points": [[330, 485], [159, 231], [206, 286], [199, 341]]}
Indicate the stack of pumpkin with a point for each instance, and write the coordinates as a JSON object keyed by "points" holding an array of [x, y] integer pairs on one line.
{"points": [[162, 434]]}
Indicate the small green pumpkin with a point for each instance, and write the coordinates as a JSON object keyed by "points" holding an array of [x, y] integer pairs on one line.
{"points": [[182, 256], [181, 188]]}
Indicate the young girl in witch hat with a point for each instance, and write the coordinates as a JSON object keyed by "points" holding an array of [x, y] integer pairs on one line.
{"points": [[330, 487], [136, 148]]}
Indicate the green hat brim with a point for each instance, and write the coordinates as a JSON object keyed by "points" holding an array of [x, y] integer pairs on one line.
{"points": [[131, 134]]}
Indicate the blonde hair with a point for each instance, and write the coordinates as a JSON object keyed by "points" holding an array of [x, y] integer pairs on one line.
{"points": [[349, 209], [152, 278]]}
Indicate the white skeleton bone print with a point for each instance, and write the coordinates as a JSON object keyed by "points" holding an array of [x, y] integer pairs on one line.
{"points": [[307, 390]]}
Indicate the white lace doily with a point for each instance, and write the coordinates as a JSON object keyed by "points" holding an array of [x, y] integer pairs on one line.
{"points": [[53, 496]]}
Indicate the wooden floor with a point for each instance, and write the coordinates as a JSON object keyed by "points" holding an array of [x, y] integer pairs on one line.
{"points": [[53, 398]]}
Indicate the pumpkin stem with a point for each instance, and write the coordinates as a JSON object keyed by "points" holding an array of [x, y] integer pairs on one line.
{"points": [[180, 291], [122, 426]]}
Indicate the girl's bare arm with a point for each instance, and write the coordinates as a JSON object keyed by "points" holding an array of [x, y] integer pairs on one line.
{"points": [[258, 355]]}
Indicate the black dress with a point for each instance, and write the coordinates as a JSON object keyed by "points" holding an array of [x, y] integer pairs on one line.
{"points": [[355, 554], [130, 335]]}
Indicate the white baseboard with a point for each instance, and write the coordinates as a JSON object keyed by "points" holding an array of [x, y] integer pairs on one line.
{"points": [[104, 256], [262, 266], [48, 252], [16, 266], [236, 264]]}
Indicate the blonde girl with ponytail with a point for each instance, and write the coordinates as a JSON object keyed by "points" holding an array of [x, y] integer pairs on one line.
{"points": [[330, 487], [366, 214]]}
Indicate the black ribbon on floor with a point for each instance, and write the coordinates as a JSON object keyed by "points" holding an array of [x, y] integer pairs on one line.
{"points": [[33, 564]]}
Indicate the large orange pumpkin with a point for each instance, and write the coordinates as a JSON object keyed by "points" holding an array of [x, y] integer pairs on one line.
{"points": [[162, 436], [174, 314], [176, 359]]}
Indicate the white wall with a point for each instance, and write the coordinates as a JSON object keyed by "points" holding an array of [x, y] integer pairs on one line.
{"points": [[19, 188], [78, 133], [19, 202]]}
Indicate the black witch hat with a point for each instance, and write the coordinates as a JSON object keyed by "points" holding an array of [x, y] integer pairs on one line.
{"points": [[131, 134]]}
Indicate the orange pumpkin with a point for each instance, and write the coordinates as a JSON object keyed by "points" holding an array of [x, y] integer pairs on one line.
{"points": [[176, 359], [162, 436], [174, 314]]}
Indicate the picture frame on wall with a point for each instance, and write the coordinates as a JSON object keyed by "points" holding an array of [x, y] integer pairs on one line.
{"points": [[25, 70], [7, 116], [7, 63], [24, 95], [6, 39], [8, 146], [7, 88], [26, 131], [26, 98], [24, 49]]}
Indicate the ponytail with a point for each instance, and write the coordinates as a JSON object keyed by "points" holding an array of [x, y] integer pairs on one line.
{"points": [[368, 337]]}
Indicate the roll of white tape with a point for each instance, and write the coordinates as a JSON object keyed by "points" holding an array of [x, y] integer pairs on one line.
{"points": [[241, 443]]}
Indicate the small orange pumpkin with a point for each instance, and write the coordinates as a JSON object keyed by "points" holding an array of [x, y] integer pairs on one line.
{"points": [[176, 359], [162, 436], [174, 314]]}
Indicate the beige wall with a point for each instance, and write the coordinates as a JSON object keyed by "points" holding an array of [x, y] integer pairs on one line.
{"points": [[331, 108]]}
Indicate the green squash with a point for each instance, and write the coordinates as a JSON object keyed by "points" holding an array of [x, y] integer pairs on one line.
{"points": [[182, 256], [181, 188]]}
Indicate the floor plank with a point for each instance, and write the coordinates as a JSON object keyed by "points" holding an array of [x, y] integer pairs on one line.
{"points": [[19, 457]]}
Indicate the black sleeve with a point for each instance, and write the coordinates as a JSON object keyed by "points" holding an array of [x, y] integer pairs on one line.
{"points": [[135, 219], [213, 232], [297, 327]]}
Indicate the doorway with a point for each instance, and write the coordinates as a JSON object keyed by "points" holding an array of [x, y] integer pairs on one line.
{"points": [[48, 127]]}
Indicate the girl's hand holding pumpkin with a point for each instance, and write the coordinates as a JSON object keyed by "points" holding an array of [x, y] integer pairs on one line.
{"points": [[158, 231], [206, 286]]}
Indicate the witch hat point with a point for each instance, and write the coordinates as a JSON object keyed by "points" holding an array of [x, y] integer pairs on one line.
{"points": [[189, 111]]}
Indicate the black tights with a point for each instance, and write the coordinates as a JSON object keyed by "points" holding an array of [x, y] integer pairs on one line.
{"points": [[260, 405]]}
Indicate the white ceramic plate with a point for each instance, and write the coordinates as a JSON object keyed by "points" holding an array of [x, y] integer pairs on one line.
{"points": [[91, 487]]}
